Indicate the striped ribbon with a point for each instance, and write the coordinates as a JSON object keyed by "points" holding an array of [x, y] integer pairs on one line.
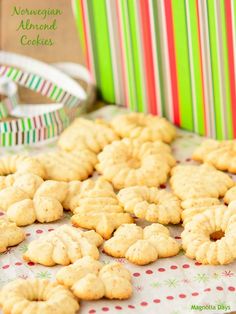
{"points": [[167, 57], [40, 126]]}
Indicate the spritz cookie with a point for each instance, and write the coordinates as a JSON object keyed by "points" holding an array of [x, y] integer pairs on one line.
{"points": [[210, 237], [141, 246], [221, 154], [68, 166], [230, 195], [91, 280], [144, 127], [192, 181], [35, 296], [63, 246], [10, 234], [151, 204], [94, 135], [130, 162]]}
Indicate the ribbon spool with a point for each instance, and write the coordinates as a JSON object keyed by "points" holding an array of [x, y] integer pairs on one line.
{"points": [[35, 123]]}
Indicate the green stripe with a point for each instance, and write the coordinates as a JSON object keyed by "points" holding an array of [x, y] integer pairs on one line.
{"points": [[29, 123], [53, 92], [10, 72], [196, 68], [17, 71], [137, 63], [215, 68], [79, 20], [31, 82], [58, 95], [226, 70], [128, 55], [101, 48], [37, 85], [182, 59]]}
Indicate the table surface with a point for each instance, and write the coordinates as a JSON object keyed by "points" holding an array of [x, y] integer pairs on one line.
{"points": [[174, 285]]}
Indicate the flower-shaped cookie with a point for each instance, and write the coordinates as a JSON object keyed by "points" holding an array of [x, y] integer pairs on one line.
{"points": [[230, 195], [63, 246], [190, 181], [221, 154], [99, 208], [94, 135], [195, 206], [141, 246], [151, 204], [130, 162], [21, 164], [91, 280], [144, 127], [37, 296], [10, 234], [210, 237], [68, 166]]}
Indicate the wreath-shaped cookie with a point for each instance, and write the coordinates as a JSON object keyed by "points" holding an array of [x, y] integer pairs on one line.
{"points": [[130, 162], [210, 236], [94, 135], [10, 234], [91, 280], [144, 127], [63, 246], [151, 204], [37, 296], [192, 181], [141, 246]]}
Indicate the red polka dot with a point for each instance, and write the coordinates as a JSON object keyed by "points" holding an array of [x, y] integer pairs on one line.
{"points": [[194, 294], [188, 159], [177, 237], [198, 264], [170, 297], [131, 306], [1, 214], [39, 231], [207, 290], [31, 263], [28, 234], [156, 300], [105, 309], [219, 288], [149, 272], [173, 267], [118, 307], [182, 296], [5, 266], [92, 311], [178, 161], [143, 303], [51, 229], [186, 266], [18, 263], [163, 186], [136, 274], [161, 269], [231, 288]]}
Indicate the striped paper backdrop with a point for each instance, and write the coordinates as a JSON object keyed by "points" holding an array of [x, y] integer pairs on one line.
{"points": [[175, 58]]}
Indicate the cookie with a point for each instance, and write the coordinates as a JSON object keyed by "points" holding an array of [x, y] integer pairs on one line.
{"points": [[144, 127], [151, 204], [210, 237], [141, 246], [21, 164], [63, 246], [10, 234], [130, 162], [191, 181], [230, 195], [37, 296], [65, 166], [92, 280], [94, 135], [221, 154]]}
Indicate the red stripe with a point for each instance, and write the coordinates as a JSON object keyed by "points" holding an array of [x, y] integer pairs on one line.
{"points": [[201, 69], [148, 56], [229, 32], [85, 37], [125, 80], [172, 58]]}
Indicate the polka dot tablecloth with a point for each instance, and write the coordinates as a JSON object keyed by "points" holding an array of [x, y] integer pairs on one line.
{"points": [[175, 285]]}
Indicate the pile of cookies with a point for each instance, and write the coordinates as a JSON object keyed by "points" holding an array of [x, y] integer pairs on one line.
{"points": [[133, 157]]}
